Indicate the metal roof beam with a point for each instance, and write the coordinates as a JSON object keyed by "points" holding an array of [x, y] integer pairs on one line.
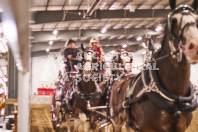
{"points": [[46, 36], [56, 16]]}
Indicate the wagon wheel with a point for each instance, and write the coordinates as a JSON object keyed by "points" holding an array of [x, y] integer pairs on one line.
{"points": [[55, 114]]}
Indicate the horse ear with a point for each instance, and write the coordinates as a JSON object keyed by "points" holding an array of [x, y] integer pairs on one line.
{"points": [[172, 4], [118, 49], [82, 47], [128, 49], [195, 4]]}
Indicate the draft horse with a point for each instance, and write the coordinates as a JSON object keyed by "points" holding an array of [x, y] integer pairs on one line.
{"points": [[87, 92], [162, 100], [84, 92]]}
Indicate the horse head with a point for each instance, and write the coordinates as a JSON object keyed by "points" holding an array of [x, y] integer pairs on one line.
{"points": [[124, 59], [87, 60], [183, 30]]}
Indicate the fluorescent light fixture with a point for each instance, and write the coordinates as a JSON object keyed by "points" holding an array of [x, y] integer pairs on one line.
{"points": [[103, 30], [50, 42], [10, 31], [5, 79], [139, 38], [158, 29], [144, 45], [55, 32], [47, 50], [144, 52], [113, 51], [159, 46], [124, 45]]}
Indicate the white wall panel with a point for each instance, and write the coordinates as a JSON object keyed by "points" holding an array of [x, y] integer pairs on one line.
{"points": [[194, 74], [44, 70]]}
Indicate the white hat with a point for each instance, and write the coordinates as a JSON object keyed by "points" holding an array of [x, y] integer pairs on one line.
{"points": [[96, 40]]}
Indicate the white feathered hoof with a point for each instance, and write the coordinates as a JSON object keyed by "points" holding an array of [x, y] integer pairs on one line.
{"points": [[80, 125]]}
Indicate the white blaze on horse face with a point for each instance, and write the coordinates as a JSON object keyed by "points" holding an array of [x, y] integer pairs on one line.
{"points": [[108, 69], [87, 66], [125, 59], [190, 47], [127, 67], [88, 56]]}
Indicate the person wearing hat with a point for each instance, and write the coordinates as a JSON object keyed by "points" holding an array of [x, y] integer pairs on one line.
{"points": [[70, 54], [94, 44]]}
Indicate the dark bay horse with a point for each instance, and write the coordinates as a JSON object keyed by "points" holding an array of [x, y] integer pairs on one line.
{"points": [[162, 100], [87, 92]]}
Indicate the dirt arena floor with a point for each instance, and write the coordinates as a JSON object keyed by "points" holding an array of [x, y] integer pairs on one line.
{"points": [[41, 120]]}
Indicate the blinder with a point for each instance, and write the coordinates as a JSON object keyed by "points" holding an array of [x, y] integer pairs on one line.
{"points": [[185, 10], [127, 59], [88, 57], [127, 56]]}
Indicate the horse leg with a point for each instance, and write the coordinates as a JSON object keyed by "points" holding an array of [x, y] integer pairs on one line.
{"points": [[92, 121], [128, 128], [117, 126], [80, 124], [117, 129], [68, 123], [76, 125]]}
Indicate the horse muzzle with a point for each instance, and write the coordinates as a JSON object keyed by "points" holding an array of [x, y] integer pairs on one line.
{"points": [[190, 50]]}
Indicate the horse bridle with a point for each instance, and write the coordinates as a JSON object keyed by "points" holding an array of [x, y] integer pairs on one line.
{"points": [[185, 10], [86, 60], [124, 54]]}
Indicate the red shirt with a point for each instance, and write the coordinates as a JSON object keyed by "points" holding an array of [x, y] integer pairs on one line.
{"points": [[98, 53]]}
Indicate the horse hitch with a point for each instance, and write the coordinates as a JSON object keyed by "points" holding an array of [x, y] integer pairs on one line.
{"points": [[88, 104], [124, 105], [104, 123]]}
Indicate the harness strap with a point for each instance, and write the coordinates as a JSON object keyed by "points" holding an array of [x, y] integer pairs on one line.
{"points": [[177, 116], [124, 104]]}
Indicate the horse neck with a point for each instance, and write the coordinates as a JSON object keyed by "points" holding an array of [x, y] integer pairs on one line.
{"points": [[87, 86], [173, 75]]}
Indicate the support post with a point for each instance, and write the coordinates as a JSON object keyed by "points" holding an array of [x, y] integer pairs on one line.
{"points": [[23, 102]]}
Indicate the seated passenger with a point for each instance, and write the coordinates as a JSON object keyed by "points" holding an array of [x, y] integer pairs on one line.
{"points": [[71, 55], [99, 56]]}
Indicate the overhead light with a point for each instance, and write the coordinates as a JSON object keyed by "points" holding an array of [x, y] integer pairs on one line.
{"points": [[55, 32], [5, 79], [139, 38], [103, 5], [158, 29], [144, 45], [132, 9], [47, 50], [113, 51], [158, 46], [103, 30], [144, 52], [50, 42], [124, 45]]}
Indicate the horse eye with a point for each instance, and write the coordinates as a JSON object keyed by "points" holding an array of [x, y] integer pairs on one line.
{"points": [[173, 23], [183, 41]]}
